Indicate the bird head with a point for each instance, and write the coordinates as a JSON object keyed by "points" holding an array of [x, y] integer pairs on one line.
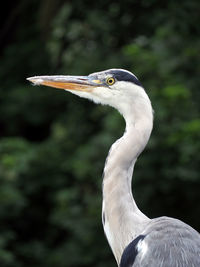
{"points": [[115, 87]]}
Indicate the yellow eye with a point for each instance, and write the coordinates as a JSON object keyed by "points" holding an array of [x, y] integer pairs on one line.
{"points": [[110, 81]]}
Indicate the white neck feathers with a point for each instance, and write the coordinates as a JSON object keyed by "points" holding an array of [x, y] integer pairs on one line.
{"points": [[122, 219]]}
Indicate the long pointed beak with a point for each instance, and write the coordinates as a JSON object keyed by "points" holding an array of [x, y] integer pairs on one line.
{"points": [[79, 83]]}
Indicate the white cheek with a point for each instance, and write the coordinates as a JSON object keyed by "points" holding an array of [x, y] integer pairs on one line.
{"points": [[103, 93], [86, 95]]}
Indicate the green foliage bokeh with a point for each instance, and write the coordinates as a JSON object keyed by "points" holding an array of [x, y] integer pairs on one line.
{"points": [[53, 145]]}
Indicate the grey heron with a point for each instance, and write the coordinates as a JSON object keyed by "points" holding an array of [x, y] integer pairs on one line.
{"points": [[135, 239]]}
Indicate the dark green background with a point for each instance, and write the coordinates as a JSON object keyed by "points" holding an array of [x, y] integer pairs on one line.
{"points": [[53, 144]]}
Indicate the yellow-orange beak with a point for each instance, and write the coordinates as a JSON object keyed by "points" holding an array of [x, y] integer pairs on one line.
{"points": [[79, 83]]}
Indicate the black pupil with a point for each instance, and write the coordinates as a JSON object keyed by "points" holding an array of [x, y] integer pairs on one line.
{"points": [[110, 81]]}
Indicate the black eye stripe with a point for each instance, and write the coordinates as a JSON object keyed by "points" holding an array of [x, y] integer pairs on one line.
{"points": [[121, 75], [118, 75]]}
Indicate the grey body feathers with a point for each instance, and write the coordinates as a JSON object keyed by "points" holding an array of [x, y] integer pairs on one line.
{"points": [[168, 243]]}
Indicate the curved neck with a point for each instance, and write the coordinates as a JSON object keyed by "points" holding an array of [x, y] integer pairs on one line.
{"points": [[122, 219]]}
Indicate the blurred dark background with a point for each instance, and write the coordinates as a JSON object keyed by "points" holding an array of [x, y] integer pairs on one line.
{"points": [[53, 144]]}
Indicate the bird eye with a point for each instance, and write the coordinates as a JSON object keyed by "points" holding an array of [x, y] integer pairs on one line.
{"points": [[110, 81]]}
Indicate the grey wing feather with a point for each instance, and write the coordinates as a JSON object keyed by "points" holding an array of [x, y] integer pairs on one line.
{"points": [[167, 242]]}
